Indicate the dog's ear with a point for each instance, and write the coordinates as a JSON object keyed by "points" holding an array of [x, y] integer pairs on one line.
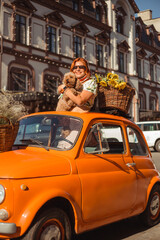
{"points": [[64, 80]]}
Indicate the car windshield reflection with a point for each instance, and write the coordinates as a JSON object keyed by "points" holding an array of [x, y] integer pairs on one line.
{"points": [[53, 131]]}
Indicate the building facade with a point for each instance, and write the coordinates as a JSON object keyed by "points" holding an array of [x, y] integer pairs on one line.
{"points": [[40, 39]]}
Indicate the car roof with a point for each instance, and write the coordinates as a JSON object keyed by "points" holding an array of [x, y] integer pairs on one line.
{"points": [[84, 116]]}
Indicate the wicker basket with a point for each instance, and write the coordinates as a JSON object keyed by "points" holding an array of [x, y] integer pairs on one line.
{"points": [[113, 98], [8, 133]]}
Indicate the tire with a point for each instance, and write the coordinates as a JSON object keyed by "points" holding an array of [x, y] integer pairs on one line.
{"points": [[157, 146], [50, 224], [151, 215]]}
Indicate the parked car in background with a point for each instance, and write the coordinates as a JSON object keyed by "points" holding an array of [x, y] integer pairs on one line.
{"points": [[72, 172], [151, 130]]}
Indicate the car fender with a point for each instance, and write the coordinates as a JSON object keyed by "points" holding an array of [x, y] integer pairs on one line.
{"points": [[155, 180], [37, 203]]}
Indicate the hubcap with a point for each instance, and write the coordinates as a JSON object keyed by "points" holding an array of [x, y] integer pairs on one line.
{"points": [[51, 233], [51, 230], [154, 207]]}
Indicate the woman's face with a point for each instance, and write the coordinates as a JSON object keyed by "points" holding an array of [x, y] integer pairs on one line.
{"points": [[79, 69]]}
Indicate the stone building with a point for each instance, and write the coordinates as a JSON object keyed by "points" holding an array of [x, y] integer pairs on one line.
{"points": [[148, 64], [40, 39]]}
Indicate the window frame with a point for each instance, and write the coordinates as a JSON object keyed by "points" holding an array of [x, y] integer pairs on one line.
{"points": [[14, 83], [19, 29], [98, 13], [77, 46], [152, 103], [120, 25], [99, 55], [112, 140], [75, 5], [52, 46], [139, 67], [138, 32], [152, 74], [121, 63], [47, 87], [140, 142]]}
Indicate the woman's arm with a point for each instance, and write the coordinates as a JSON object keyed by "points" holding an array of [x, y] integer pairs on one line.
{"points": [[80, 99]]}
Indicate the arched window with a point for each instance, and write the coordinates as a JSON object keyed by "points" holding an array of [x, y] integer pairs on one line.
{"points": [[120, 24], [141, 101], [20, 80], [152, 103], [50, 83]]}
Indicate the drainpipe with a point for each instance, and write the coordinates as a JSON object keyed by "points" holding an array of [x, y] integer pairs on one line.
{"points": [[1, 41], [1, 52]]}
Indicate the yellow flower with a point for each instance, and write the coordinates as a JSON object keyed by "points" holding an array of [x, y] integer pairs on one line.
{"points": [[117, 85], [103, 83], [98, 78], [115, 77], [112, 82], [122, 85], [109, 76]]}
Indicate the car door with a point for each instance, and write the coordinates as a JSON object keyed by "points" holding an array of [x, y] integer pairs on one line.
{"points": [[143, 165], [108, 185]]}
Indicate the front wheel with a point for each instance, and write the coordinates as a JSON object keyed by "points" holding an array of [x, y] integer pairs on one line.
{"points": [[157, 146], [52, 224], [151, 215]]}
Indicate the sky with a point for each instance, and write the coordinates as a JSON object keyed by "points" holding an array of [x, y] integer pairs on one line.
{"points": [[153, 5]]}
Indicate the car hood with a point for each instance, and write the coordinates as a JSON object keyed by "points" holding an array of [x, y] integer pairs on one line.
{"points": [[32, 164]]}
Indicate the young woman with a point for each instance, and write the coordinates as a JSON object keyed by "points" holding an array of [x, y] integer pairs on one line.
{"points": [[85, 99]]}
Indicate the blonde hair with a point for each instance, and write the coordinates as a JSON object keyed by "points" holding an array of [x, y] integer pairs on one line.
{"points": [[85, 63]]}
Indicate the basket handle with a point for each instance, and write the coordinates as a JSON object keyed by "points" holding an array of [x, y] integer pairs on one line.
{"points": [[7, 119]]}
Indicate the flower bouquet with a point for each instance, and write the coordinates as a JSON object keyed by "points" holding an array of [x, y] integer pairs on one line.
{"points": [[114, 93], [10, 112]]}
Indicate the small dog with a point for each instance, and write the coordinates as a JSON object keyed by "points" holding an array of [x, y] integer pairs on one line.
{"points": [[71, 82]]}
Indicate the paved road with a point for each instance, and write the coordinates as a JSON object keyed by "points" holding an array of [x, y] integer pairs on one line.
{"points": [[130, 229]]}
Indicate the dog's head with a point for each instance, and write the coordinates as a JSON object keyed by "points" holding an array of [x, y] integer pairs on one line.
{"points": [[69, 80]]}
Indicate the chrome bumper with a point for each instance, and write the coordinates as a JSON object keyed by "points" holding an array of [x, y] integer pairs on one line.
{"points": [[8, 228]]}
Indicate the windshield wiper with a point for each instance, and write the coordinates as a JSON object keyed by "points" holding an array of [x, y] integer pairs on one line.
{"points": [[31, 140]]}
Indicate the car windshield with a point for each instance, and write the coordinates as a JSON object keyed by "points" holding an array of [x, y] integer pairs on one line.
{"points": [[55, 131]]}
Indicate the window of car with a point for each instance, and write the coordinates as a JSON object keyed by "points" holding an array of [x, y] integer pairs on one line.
{"points": [[136, 142], [57, 131], [149, 127], [104, 138]]}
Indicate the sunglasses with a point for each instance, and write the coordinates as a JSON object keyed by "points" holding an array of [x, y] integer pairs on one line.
{"points": [[80, 67]]}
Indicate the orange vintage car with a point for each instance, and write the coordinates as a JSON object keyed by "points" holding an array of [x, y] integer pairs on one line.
{"points": [[72, 172]]}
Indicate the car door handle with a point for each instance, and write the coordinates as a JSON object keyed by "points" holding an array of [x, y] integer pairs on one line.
{"points": [[131, 164]]}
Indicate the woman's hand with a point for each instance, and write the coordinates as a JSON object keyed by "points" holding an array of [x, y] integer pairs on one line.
{"points": [[60, 88]]}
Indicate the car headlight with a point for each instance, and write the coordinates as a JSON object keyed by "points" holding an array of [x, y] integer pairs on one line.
{"points": [[2, 193]]}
